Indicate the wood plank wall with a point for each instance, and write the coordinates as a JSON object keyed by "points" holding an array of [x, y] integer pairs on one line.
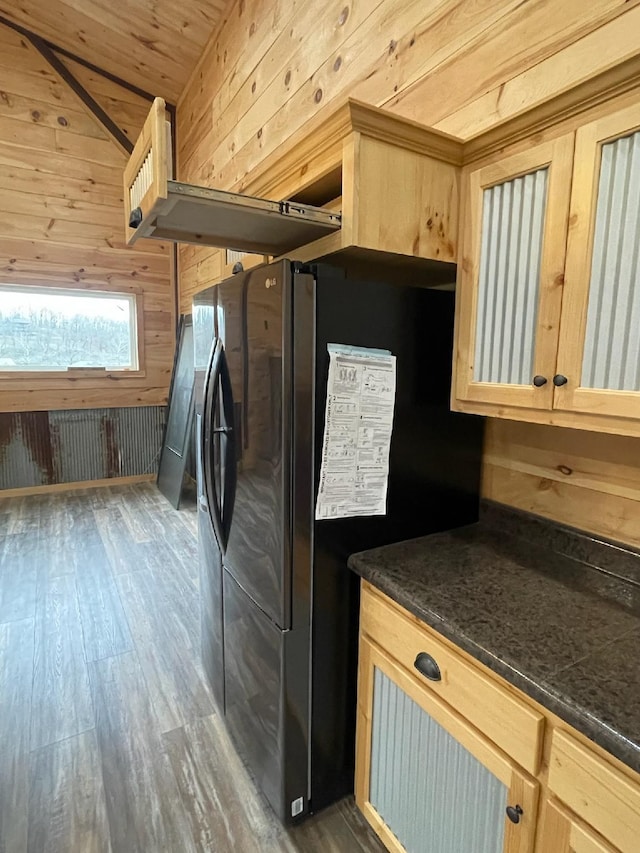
{"points": [[61, 220], [584, 479], [461, 66]]}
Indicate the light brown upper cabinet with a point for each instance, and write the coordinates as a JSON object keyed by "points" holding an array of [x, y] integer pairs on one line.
{"points": [[510, 280], [356, 182], [599, 350], [548, 323]]}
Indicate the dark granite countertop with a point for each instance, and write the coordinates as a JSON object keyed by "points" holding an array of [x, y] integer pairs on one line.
{"points": [[552, 610]]}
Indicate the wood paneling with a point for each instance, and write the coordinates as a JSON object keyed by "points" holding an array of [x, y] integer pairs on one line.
{"points": [[584, 479], [597, 51], [61, 219], [461, 66], [524, 37], [127, 109], [151, 45], [254, 88]]}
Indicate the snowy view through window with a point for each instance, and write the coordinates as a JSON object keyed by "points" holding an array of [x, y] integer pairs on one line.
{"points": [[48, 330]]}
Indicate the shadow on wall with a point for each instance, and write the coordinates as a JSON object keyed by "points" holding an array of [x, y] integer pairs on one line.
{"points": [[44, 448]]}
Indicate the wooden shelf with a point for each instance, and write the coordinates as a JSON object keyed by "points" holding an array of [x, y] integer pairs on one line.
{"points": [[207, 217]]}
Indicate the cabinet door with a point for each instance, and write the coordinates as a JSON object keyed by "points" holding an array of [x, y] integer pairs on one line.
{"points": [[426, 780], [599, 352], [510, 278], [562, 832]]}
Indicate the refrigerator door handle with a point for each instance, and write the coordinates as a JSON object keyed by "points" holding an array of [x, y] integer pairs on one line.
{"points": [[208, 430], [202, 486], [230, 459]]}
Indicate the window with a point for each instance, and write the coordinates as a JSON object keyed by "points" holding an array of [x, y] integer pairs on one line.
{"points": [[51, 329]]}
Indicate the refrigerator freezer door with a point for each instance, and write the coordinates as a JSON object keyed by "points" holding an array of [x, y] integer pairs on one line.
{"points": [[253, 315], [263, 720], [253, 688]]}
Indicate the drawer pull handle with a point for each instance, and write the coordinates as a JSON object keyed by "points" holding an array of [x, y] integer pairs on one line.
{"points": [[514, 813], [426, 665]]}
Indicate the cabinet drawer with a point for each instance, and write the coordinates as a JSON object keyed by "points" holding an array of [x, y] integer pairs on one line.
{"points": [[511, 724], [563, 832], [596, 791]]}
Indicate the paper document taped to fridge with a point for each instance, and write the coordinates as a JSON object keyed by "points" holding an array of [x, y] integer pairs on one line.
{"points": [[361, 392]]}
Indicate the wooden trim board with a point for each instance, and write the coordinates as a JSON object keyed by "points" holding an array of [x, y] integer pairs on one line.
{"points": [[583, 479], [45, 489], [591, 94]]}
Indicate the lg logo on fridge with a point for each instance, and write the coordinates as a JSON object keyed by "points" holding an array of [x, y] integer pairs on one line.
{"points": [[270, 282]]}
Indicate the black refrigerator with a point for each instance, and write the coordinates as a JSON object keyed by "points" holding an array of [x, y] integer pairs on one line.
{"points": [[279, 605]]}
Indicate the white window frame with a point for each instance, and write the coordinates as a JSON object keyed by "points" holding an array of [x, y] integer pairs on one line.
{"points": [[135, 332]]}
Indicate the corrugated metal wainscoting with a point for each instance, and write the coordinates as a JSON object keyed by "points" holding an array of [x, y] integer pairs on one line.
{"points": [[612, 341], [432, 793], [43, 448], [509, 283]]}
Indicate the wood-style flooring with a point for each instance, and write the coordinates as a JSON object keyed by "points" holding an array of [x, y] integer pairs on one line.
{"points": [[109, 740]]}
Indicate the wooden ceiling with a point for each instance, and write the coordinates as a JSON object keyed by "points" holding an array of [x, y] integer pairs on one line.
{"points": [[153, 44]]}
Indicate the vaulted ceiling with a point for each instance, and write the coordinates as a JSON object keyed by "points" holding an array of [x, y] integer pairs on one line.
{"points": [[153, 44]]}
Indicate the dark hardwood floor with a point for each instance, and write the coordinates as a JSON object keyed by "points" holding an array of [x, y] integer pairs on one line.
{"points": [[109, 740]]}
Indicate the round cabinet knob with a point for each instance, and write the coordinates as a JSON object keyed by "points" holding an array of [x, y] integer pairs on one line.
{"points": [[559, 380], [514, 813], [539, 381]]}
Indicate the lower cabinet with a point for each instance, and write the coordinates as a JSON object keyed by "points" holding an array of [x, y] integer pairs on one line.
{"points": [[447, 754], [426, 780], [598, 793], [562, 832]]}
